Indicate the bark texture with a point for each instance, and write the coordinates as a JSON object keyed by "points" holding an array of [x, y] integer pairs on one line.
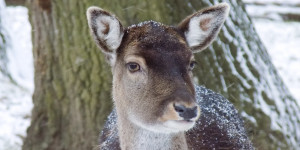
{"points": [[72, 80], [238, 66], [15, 2]]}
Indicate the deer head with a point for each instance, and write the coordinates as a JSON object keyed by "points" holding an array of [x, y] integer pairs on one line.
{"points": [[152, 66]]}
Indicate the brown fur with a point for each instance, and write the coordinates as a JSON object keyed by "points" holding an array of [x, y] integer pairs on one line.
{"points": [[169, 114], [106, 30], [45, 4], [151, 102], [204, 24], [165, 79], [144, 42]]}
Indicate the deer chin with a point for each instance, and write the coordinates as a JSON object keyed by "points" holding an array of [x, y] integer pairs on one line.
{"points": [[166, 127], [179, 125]]}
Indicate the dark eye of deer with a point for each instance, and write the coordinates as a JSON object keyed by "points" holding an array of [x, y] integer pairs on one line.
{"points": [[133, 67], [192, 65]]}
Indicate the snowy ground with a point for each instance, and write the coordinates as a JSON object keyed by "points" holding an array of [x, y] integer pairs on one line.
{"points": [[280, 38], [15, 108], [15, 99]]}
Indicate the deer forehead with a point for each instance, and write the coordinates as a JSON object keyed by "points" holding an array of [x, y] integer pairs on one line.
{"points": [[156, 44]]}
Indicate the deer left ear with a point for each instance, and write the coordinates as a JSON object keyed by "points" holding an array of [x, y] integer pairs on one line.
{"points": [[201, 28], [107, 31]]}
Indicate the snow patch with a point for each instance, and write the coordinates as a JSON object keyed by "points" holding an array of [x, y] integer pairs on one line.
{"points": [[282, 41], [15, 108], [20, 64], [15, 98], [150, 22]]}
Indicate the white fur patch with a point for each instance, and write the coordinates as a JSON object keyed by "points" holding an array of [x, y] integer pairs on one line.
{"points": [[102, 21], [113, 59], [195, 34], [147, 140], [114, 36], [204, 27], [179, 125], [168, 127]]}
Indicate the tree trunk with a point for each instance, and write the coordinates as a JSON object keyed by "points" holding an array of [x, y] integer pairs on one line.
{"points": [[238, 66], [72, 81]]}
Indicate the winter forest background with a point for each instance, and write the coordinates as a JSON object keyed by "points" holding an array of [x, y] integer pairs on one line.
{"points": [[277, 23]]}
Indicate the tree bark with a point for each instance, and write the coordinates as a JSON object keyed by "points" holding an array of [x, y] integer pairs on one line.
{"points": [[15, 2], [238, 66], [72, 81]]}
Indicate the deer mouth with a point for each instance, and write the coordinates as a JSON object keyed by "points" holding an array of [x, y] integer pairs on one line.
{"points": [[179, 125], [185, 121], [186, 124], [177, 117], [167, 126]]}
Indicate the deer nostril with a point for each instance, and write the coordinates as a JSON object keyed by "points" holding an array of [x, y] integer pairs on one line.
{"points": [[186, 113], [179, 108]]}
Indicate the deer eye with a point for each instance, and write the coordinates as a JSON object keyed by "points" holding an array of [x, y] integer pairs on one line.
{"points": [[133, 67], [192, 65]]}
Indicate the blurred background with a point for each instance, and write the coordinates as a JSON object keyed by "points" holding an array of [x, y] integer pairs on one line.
{"points": [[277, 23]]}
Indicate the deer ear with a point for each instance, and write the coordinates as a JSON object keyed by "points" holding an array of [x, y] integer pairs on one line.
{"points": [[201, 28], [106, 30]]}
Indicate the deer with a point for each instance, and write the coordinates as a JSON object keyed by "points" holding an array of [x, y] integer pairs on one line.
{"points": [[156, 104]]}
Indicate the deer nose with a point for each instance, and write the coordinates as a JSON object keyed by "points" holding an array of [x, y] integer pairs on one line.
{"points": [[185, 112]]}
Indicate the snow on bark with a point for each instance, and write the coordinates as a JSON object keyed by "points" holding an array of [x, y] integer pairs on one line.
{"points": [[3, 42], [238, 66]]}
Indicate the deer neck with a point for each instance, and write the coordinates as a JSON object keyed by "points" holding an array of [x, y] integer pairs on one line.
{"points": [[133, 137]]}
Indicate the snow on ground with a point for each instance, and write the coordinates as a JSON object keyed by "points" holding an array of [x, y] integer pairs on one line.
{"points": [[19, 52], [15, 99], [15, 108]]}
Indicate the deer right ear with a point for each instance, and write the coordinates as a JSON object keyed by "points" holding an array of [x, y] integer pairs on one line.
{"points": [[201, 28], [106, 30]]}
